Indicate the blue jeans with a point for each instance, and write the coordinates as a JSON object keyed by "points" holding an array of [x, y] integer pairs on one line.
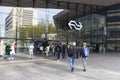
{"points": [[59, 56], [71, 62], [11, 55]]}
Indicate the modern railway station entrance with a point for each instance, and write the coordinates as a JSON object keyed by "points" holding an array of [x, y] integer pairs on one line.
{"points": [[23, 21]]}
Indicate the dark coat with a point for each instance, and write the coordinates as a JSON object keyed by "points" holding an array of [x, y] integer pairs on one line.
{"points": [[7, 50], [58, 49], [72, 51]]}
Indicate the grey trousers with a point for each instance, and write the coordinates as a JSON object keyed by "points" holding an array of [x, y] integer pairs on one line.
{"points": [[84, 61]]}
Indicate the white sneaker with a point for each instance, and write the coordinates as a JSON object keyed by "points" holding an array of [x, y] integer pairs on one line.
{"points": [[1, 58], [58, 60], [12, 58], [9, 58]]}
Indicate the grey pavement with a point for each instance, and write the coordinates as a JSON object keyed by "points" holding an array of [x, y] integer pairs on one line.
{"points": [[100, 67]]}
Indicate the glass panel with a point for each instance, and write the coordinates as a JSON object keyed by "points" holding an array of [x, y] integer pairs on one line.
{"points": [[51, 21], [25, 25]]}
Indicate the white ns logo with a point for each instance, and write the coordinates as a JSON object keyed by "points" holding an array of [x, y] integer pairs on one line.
{"points": [[75, 25]]}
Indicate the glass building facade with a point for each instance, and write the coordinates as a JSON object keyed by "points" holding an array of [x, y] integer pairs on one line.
{"points": [[101, 27], [101, 22], [113, 28], [93, 31]]}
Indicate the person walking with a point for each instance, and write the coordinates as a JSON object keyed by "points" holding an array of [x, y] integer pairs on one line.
{"points": [[51, 49], [15, 47], [64, 50], [31, 47], [1, 51], [12, 52], [58, 50], [84, 55], [7, 51], [72, 54], [47, 50]]}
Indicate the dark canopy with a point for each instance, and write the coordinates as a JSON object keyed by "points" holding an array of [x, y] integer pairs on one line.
{"points": [[53, 3]]}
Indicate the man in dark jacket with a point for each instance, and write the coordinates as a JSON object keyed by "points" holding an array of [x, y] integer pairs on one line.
{"points": [[58, 49], [7, 51], [63, 50], [72, 54]]}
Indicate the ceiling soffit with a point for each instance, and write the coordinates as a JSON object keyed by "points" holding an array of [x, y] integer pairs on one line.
{"points": [[54, 3]]}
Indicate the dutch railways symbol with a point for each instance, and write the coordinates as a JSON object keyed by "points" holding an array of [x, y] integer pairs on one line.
{"points": [[74, 24]]}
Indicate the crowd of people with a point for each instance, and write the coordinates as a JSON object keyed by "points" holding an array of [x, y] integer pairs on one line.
{"points": [[8, 52], [71, 51], [60, 51]]}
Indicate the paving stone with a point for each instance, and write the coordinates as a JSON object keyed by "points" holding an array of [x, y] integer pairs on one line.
{"points": [[100, 67]]}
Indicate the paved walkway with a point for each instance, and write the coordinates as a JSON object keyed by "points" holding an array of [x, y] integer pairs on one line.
{"points": [[100, 67]]}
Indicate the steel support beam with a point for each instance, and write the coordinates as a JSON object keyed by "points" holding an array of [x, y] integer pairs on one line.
{"points": [[76, 32], [58, 5], [67, 40], [46, 32], [0, 2], [34, 1], [18, 5]]}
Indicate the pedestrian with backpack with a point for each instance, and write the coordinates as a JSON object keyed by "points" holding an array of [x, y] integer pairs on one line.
{"points": [[1, 51], [84, 54]]}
